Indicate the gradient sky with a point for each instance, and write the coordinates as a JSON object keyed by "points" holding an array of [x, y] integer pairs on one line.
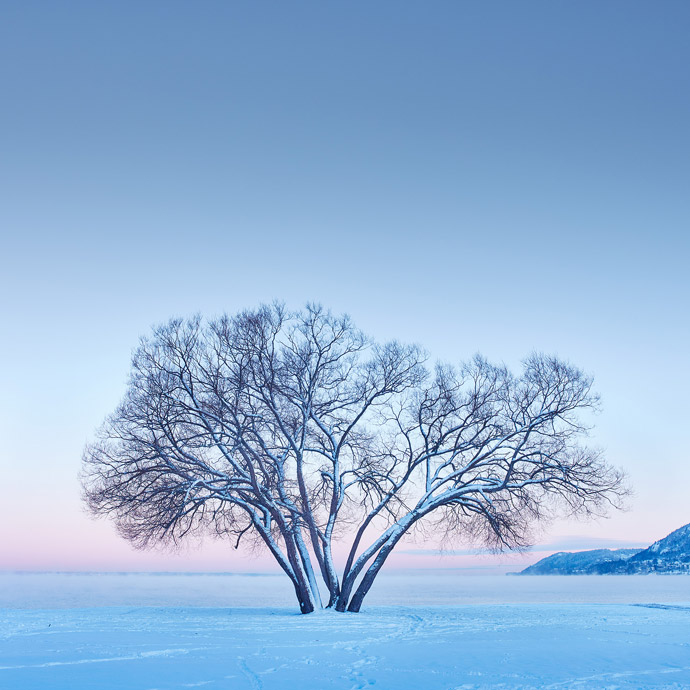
{"points": [[473, 176]]}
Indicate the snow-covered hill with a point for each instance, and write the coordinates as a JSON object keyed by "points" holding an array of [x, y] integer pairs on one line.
{"points": [[668, 555], [578, 563]]}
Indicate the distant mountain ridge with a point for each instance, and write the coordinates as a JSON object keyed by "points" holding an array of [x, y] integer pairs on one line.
{"points": [[579, 562], [668, 555]]}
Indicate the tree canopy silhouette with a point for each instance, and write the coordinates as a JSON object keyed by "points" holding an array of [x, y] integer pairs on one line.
{"points": [[295, 430]]}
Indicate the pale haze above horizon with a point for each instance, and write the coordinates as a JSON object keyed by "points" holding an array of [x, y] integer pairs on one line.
{"points": [[496, 177]]}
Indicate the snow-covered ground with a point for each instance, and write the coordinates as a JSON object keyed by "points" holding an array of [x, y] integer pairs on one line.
{"points": [[642, 641]]}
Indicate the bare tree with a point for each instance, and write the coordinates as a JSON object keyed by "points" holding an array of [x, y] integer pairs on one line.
{"points": [[295, 430]]}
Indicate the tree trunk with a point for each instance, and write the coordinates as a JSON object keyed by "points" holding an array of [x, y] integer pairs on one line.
{"points": [[368, 580], [331, 578], [304, 594], [369, 577], [341, 601], [306, 562]]}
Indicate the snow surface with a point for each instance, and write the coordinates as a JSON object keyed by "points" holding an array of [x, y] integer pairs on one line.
{"points": [[421, 647]]}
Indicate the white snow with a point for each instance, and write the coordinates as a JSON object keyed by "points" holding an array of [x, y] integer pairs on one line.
{"points": [[643, 642]]}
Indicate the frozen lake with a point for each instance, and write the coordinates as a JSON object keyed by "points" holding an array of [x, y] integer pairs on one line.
{"points": [[420, 588], [433, 631]]}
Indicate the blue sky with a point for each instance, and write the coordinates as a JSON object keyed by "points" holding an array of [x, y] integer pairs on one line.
{"points": [[487, 176]]}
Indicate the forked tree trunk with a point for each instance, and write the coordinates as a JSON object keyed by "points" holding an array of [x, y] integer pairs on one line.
{"points": [[353, 604], [369, 577]]}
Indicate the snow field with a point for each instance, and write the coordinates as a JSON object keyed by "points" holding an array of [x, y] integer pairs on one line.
{"points": [[393, 648]]}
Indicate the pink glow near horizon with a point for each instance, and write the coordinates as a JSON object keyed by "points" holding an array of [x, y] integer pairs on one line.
{"points": [[86, 545]]}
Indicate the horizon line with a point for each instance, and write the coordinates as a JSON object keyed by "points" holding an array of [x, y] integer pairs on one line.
{"points": [[233, 573]]}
